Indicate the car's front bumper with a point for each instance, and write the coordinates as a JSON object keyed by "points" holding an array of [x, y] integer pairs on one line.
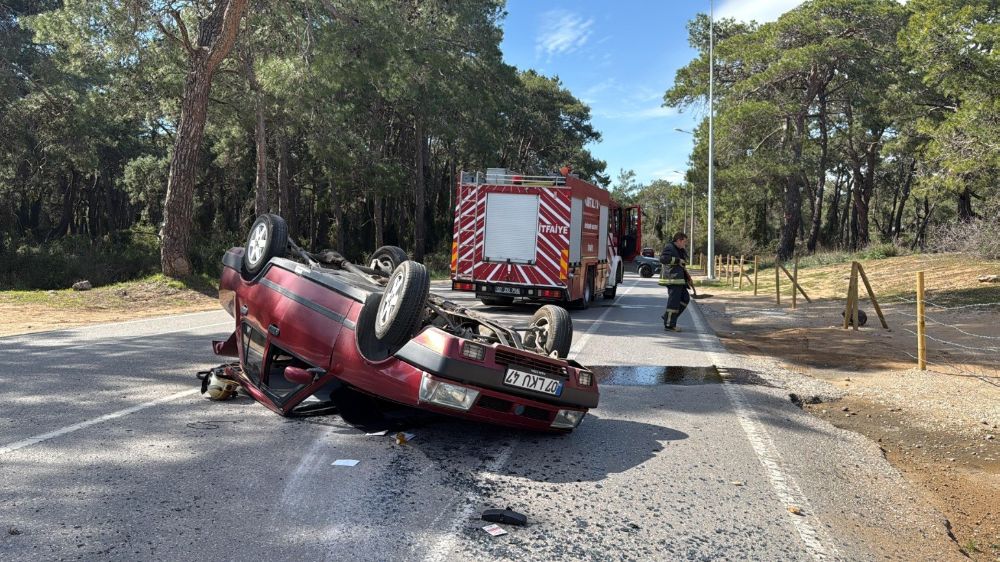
{"points": [[495, 401]]}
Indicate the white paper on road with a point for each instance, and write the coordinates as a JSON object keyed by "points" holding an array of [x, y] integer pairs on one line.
{"points": [[345, 462], [495, 530]]}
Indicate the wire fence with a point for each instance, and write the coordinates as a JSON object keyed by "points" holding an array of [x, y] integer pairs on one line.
{"points": [[968, 358]]}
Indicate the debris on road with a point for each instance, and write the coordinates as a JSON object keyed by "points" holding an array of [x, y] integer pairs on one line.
{"points": [[795, 510], [507, 516], [345, 462], [737, 482], [404, 438], [495, 530], [377, 433]]}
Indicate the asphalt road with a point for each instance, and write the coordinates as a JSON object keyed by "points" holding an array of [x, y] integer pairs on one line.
{"points": [[107, 452]]}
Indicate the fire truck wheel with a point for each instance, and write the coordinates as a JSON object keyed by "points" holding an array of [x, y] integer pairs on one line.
{"points": [[553, 330], [497, 301], [645, 271], [403, 302], [588, 292], [268, 238], [620, 275], [387, 258], [610, 292]]}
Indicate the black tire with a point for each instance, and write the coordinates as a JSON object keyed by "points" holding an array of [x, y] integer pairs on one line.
{"points": [[556, 330], [370, 347], [387, 258], [611, 292], [268, 238], [645, 270], [588, 292], [403, 303], [620, 274], [497, 301]]}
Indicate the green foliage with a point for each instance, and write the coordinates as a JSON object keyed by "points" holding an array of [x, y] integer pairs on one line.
{"points": [[60, 263], [880, 251]]}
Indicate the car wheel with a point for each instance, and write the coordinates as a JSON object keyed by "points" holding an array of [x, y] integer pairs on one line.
{"points": [[403, 302], [497, 301], [268, 238], [645, 271], [387, 258], [553, 330]]}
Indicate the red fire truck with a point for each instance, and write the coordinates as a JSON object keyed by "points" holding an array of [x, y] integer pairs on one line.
{"points": [[541, 238]]}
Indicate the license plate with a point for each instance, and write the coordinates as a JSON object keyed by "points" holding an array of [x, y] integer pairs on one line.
{"points": [[507, 290], [534, 382]]}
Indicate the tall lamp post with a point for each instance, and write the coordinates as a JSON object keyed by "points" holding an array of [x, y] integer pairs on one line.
{"points": [[710, 266]]}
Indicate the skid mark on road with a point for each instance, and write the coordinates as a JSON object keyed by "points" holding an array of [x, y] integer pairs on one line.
{"points": [[85, 424], [808, 526]]}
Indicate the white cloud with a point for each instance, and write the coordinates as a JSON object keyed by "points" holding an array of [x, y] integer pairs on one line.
{"points": [[758, 10], [561, 32], [656, 112]]}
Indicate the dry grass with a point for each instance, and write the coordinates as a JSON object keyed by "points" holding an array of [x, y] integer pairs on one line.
{"points": [[950, 279]]}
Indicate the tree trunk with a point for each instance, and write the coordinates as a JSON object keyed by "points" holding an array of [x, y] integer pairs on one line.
{"points": [[817, 214], [965, 213], [284, 194], [379, 222], [419, 192], [68, 204], [216, 36], [897, 222], [260, 138], [792, 212]]}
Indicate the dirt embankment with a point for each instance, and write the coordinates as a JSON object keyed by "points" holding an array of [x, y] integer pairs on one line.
{"points": [[23, 312], [940, 427]]}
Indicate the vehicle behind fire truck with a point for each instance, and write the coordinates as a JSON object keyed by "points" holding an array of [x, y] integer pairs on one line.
{"points": [[543, 238]]}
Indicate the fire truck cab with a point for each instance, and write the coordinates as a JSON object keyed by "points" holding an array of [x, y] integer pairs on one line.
{"points": [[551, 238]]}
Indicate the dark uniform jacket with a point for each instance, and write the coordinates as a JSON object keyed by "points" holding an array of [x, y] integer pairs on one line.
{"points": [[674, 261]]}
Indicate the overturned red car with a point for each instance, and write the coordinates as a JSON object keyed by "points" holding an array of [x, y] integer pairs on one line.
{"points": [[309, 328]]}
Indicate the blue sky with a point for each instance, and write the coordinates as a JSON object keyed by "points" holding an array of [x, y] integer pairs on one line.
{"points": [[620, 57]]}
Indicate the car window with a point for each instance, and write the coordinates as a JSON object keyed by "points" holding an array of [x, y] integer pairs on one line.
{"points": [[254, 343], [276, 384]]}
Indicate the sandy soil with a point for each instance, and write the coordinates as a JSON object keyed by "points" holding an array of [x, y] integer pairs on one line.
{"points": [[24, 312], [940, 428]]}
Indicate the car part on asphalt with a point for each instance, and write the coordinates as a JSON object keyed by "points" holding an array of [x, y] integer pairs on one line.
{"points": [[506, 516]]}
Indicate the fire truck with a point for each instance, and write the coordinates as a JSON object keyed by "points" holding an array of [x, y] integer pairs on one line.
{"points": [[551, 238]]}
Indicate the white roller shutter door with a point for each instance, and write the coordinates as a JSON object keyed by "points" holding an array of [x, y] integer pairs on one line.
{"points": [[602, 241], [511, 227]]}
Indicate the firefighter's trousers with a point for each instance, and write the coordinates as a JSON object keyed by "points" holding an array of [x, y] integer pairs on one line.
{"points": [[677, 300]]}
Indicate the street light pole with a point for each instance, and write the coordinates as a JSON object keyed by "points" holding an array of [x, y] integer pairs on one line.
{"points": [[710, 270]]}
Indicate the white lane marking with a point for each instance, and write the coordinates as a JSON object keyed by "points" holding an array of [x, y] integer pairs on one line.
{"points": [[578, 344], [808, 525], [447, 543], [48, 348], [104, 324], [85, 424]]}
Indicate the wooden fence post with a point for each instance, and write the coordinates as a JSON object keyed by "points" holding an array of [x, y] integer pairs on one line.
{"points": [[755, 268], [921, 344], [795, 282], [777, 283], [741, 272], [849, 310]]}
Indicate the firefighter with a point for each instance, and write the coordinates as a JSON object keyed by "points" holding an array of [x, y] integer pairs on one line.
{"points": [[674, 275]]}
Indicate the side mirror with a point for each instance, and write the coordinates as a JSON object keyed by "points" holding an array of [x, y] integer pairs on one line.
{"points": [[298, 376]]}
